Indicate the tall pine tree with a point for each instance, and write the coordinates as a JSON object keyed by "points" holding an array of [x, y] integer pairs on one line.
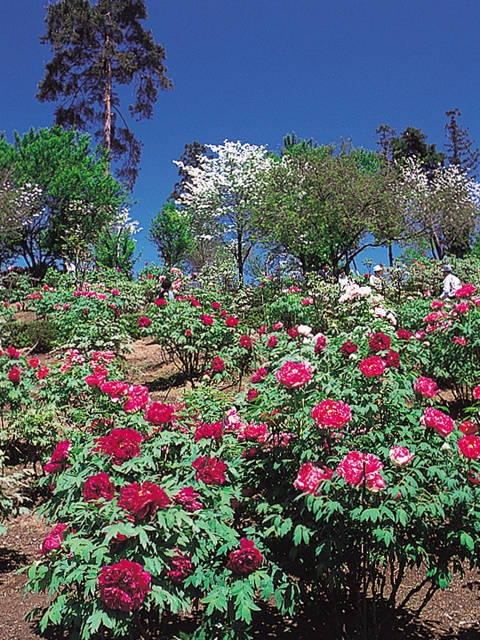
{"points": [[459, 146], [97, 48]]}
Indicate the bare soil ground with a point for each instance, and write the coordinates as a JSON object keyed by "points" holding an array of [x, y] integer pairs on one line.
{"points": [[451, 615]]}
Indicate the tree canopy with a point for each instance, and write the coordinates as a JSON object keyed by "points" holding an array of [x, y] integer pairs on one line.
{"points": [[97, 48]]}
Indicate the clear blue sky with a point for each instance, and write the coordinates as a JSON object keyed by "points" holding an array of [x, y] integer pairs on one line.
{"points": [[255, 70]]}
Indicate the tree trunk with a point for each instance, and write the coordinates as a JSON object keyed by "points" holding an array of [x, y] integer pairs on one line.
{"points": [[107, 99]]}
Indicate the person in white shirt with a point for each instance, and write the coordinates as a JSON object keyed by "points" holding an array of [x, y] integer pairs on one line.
{"points": [[376, 279], [451, 283]]}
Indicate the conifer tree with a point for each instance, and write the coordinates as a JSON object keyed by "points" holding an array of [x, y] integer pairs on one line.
{"points": [[459, 146], [96, 49]]}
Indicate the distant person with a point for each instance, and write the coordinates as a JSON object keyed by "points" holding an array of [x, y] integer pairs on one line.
{"points": [[166, 288], [451, 283], [325, 273], [377, 280], [343, 280]]}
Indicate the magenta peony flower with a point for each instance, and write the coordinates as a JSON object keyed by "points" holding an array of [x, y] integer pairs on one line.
{"points": [[210, 470], [142, 500], [245, 560], [310, 478], [120, 444], [331, 414], [158, 413], [469, 446], [54, 539], [436, 419], [294, 374], [123, 586], [358, 468], [188, 499], [373, 366], [425, 387], [59, 457], [400, 455]]}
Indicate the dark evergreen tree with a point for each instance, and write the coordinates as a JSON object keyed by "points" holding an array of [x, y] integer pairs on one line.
{"points": [[97, 48], [411, 144], [190, 157], [460, 148], [385, 135]]}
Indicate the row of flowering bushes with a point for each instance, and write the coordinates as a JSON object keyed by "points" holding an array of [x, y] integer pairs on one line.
{"points": [[335, 469]]}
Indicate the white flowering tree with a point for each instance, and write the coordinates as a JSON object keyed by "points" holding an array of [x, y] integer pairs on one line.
{"points": [[222, 193], [441, 208]]}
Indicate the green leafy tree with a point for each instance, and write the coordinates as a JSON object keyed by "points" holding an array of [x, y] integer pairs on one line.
{"points": [[116, 246], [71, 196], [172, 235], [97, 48], [319, 204]]}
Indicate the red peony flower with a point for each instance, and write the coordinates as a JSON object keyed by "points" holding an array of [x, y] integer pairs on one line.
{"points": [[425, 387], [379, 342], [43, 372], [54, 539], [465, 291], [272, 342], [245, 560], [120, 444], [206, 430], [144, 321], [476, 392], [98, 486], [293, 332], [258, 432], [252, 394], [142, 500], [210, 470], [180, 567], [14, 375], [320, 344], [260, 375], [158, 413], [294, 374], [13, 353], [358, 468], [218, 365], [470, 446], [245, 341], [392, 359], [216, 305], [188, 499], [436, 419], [160, 302], [373, 366], [331, 414], [123, 586], [348, 348], [206, 319], [34, 362], [468, 428], [310, 478], [403, 334], [59, 457], [231, 321]]}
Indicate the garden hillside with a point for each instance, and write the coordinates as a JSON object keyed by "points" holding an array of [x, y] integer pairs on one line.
{"points": [[297, 458]]}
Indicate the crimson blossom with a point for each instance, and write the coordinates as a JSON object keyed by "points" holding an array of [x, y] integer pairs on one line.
{"points": [[425, 387], [358, 468], [465, 291], [245, 341], [158, 413], [210, 470], [59, 457], [123, 586], [348, 348], [245, 560], [218, 365], [188, 498], [260, 375], [54, 539], [120, 444], [331, 414], [436, 419], [373, 366], [180, 567], [144, 321], [310, 477], [98, 486], [379, 342], [142, 500], [294, 374], [208, 430], [14, 375], [470, 446]]}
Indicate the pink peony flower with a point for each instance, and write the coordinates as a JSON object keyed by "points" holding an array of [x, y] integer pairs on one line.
{"points": [[331, 414], [358, 468], [294, 374], [400, 455], [436, 419], [310, 478], [54, 539], [469, 446], [373, 366], [425, 387]]}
